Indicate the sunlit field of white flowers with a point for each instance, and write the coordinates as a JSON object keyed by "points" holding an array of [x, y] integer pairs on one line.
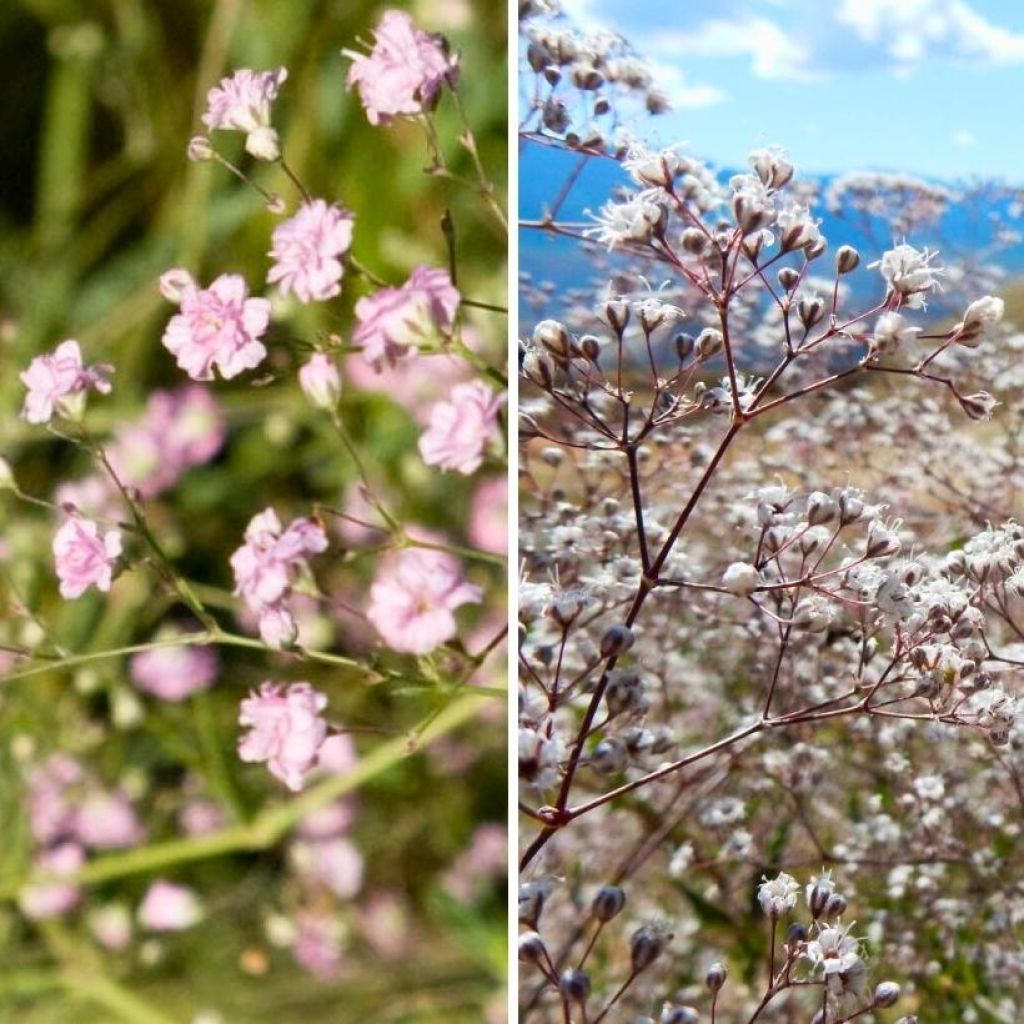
{"points": [[770, 646], [252, 512]]}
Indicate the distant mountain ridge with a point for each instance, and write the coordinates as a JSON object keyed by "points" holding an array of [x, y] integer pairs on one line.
{"points": [[966, 226]]}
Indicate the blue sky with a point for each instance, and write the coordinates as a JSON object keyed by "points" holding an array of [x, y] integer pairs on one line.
{"points": [[933, 87]]}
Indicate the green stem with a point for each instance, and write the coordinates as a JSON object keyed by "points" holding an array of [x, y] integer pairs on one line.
{"points": [[272, 824]]}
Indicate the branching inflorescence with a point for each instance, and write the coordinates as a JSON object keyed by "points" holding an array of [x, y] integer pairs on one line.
{"points": [[765, 623]]}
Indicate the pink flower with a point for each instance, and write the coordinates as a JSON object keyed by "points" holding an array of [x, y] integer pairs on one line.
{"points": [[219, 326], [52, 800], [241, 103], [413, 598], [318, 946], [107, 821], [83, 557], [179, 429], [57, 383], [320, 381], [167, 907], [175, 673], [51, 899], [306, 250], [333, 863], [200, 817], [285, 730], [392, 321], [404, 72], [267, 565], [488, 516], [461, 427]]}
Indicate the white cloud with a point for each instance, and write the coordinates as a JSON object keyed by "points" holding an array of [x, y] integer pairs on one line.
{"points": [[683, 94], [910, 31], [962, 138], [773, 53]]}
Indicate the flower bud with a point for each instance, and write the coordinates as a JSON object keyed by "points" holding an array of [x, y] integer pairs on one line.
{"points": [[694, 241], [978, 406], [715, 978], [616, 313], [199, 149], [678, 1015], [531, 948], [685, 344], [320, 381], [795, 934], [617, 640], [836, 905], [788, 278], [847, 259], [821, 509], [574, 985], [608, 903], [709, 342], [810, 311], [646, 944], [887, 993], [609, 756], [553, 336], [590, 347]]}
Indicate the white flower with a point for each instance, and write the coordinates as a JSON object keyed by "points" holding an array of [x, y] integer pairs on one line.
{"points": [[909, 273], [980, 317], [778, 895], [834, 951], [741, 579]]}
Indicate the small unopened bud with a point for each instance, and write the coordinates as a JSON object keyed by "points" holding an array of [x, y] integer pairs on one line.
{"points": [[788, 278], [715, 978], [617, 640], [818, 896], [851, 508], [836, 905], [531, 948], [320, 381], [590, 347], [199, 149], [820, 509], [275, 204], [646, 944], [810, 311], [847, 259], [694, 241], [608, 902], [575, 985], [795, 934], [978, 406], [616, 313], [609, 756], [685, 344], [887, 993], [678, 1015], [174, 283], [553, 336], [709, 342]]}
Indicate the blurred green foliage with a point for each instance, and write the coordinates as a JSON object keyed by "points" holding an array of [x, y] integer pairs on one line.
{"points": [[96, 200]]}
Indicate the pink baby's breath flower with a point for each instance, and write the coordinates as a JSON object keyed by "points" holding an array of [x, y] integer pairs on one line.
{"points": [[267, 565], [85, 558], [488, 516], [107, 821], [393, 321], [51, 899], [241, 103], [175, 673], [461, 428], [286, 730], [319, 944], [306, 250], [333, 863], [167, 907], [405, 71], [57, 383], [180, 429], [219, 326], [414, 596], [320, 380]]}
